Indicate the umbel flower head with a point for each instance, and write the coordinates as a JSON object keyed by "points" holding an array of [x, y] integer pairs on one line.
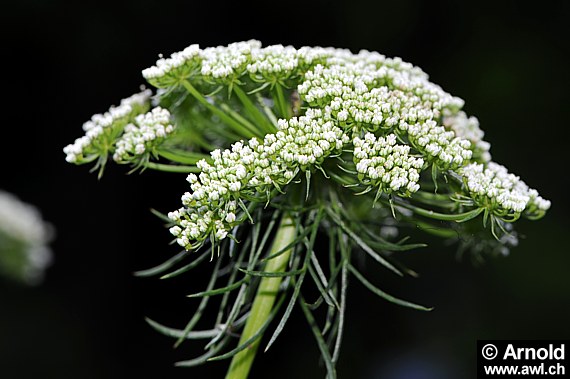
{"points": [[140, 139], [256, 170], [103, 130], [322, 142]]}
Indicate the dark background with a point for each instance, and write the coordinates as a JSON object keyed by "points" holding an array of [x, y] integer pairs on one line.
{"points": [[65, 61]]}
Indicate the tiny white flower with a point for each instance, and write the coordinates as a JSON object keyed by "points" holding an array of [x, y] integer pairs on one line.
{"points": [[230, 217]]}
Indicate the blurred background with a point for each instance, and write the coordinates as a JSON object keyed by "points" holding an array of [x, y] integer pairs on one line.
{"points": [[67, 60]]}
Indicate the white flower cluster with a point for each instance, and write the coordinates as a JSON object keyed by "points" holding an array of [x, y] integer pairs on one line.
{"points": [[273, 60], [168, 71], [359, 91], [365, 97], [147, 132], [383, 163], [280, 62], [364, 90], [372, 96], [224, 63], [23, 239], [103, 129], [494, 187], [437, 143], [340, 74], [367, 58], [468, 128], [251, 170], [308, 139]]}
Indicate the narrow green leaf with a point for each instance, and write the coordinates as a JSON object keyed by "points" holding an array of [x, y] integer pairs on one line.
{"points": [[163, 266], [188, 267], [245, 210], [238, 262], [434, 176], [383, 294], [364, 192], [269, 274], [320, 279], [331, 320], [493, 230], [219, 291], [203, 303], [297, 289], [342, 310], [308, 177], [204, 358], [331, 372], [439, 231], [264, 239], [177, 333], [391, 202], [362, 244], [360, 229], [289, 246], [436, 198], [215, 92], [322, 170], [373, 238], [326, 294], [161, 216], [234, 312], [260, 88], [348, 171], [388, 246], [291, 305], [474, 213], [332, 279], [333, 249], [345, 181]]}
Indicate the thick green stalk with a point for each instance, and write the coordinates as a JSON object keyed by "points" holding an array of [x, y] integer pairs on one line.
{"points": [[264, 299]]}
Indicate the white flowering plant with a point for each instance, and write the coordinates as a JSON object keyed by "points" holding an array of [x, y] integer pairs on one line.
{"points": [[24, 239], [283, 147]]}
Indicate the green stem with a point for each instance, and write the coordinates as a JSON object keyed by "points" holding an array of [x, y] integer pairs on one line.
{"points": [[268, 112], [181, 156], [231, 122], [281, 102], [264, 299], [254, 111], [459, 217], [242, 120], [171, 168]]}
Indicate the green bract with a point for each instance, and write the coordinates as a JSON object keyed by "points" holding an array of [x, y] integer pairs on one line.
{"points": [[287, 146]]}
